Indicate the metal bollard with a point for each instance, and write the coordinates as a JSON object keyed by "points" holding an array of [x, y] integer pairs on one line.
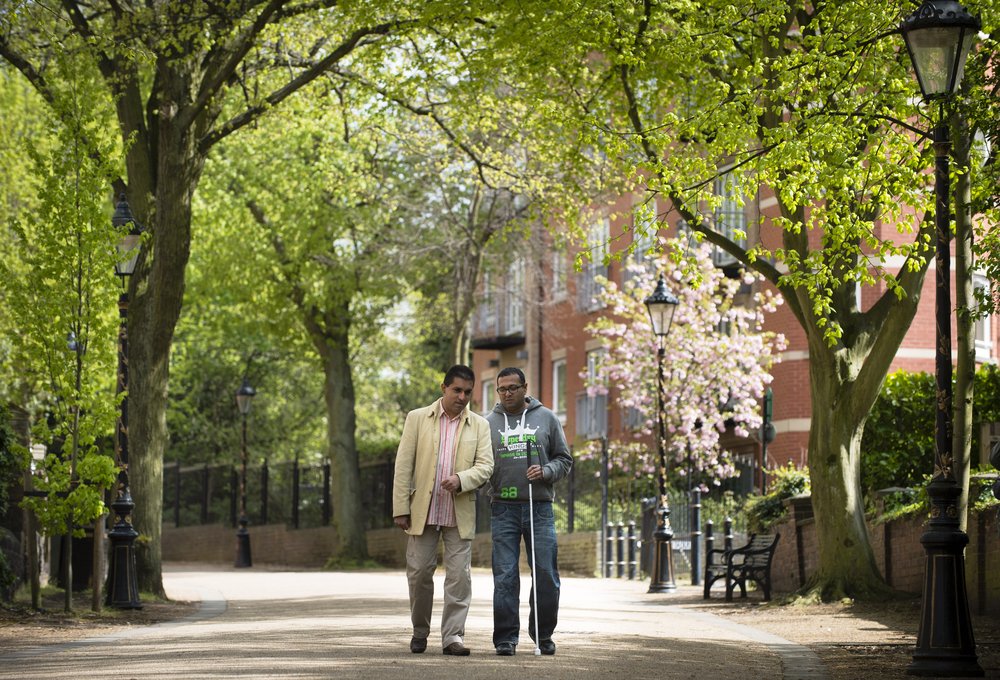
{"points": [[631, 551], [729, 533], [709, 538], [695, 537], [609, 537], [620, 535]]}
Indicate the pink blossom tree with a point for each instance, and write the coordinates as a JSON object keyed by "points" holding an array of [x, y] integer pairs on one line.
{"points": [[716, 364]]}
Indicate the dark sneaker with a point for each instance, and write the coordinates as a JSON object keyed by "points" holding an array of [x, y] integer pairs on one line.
{"points": [[456, 649], [418, 645], [548, 647], [505, 649]]}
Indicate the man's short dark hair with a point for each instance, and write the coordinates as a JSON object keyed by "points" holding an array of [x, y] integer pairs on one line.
{"points": [[511, 370], [459, 371]]}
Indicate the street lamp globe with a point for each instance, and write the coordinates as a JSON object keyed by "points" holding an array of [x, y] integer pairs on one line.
{"points": [[244, 396], [128, 246], [661, 306], [939, 35]]}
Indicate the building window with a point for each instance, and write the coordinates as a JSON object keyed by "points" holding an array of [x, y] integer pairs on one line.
{"points": [[644, 237], [592, 410], [559, 389], [633, 419], [725, 327], [981, 332], [487, 392], [486, 322], [515, 303], [730, 220], [559, 273], [587, 288]]}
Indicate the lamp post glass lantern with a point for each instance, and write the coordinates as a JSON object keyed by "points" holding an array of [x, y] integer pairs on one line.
{"points": [[128, 246], [939, 35], [661, 306], [244, 397], [123, 588]]}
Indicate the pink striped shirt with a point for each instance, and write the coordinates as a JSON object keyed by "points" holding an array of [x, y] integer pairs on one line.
{"points": [[442, 510]]}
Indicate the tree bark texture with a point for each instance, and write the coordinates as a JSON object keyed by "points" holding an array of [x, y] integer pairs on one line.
{"points": [[965, 324], [338, 391], [156, 294], [847, 564]]}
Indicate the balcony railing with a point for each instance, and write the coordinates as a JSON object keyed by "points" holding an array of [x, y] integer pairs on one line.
{"points": [[493, 326]]}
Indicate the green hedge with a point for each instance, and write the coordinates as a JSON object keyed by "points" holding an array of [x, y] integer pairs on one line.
{"points": [[897, 448]]}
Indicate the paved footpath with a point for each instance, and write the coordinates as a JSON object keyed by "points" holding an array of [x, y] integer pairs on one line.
{"points": [[260, 623]]}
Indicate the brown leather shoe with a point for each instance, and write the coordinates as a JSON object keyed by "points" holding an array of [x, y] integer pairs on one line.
{"points": [[418, 645], [456, 649]]}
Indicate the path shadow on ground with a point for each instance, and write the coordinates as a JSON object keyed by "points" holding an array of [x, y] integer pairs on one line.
{"points": [[231, 648]]}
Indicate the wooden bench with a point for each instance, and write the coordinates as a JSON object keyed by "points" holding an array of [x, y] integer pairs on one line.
{"points": [[749, 562]]}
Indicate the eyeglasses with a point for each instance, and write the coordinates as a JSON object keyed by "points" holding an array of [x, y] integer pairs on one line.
{"points": [[511, 389]]}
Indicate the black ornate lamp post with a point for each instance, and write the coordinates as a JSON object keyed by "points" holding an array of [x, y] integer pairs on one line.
{"points": [[661, 306], [244, 396], [123, 587], [938, 37], [767, 435]]}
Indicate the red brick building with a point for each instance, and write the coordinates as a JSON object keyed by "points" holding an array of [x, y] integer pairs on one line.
{"points": [[544, 336]]}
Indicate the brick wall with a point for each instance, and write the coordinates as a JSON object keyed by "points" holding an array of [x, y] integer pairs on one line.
{"points": [[276, 544], [896, 544], [269, 544], [898, 553]]}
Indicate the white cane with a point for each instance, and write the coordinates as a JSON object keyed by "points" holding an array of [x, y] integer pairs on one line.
{"points": [[531, 529]]}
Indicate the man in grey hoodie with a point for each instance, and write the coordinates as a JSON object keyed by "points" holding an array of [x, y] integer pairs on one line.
{"points": [[529, 447]]}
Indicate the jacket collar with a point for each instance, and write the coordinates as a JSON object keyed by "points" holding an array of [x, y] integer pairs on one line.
{"points": [[438, 410]]}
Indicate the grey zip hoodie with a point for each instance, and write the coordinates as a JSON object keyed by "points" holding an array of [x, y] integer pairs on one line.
{"points": [[537, 429]]}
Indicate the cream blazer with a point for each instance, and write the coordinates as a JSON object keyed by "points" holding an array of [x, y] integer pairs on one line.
{"points": [[416, 467]]}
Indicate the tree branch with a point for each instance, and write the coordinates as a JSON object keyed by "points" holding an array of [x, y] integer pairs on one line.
{"points": [[27, 69], [82, 26], [216, 74], [429, 112], [254, 112]]}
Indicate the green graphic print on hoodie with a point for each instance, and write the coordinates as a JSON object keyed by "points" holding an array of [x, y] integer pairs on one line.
{"points": [[511, 435]]}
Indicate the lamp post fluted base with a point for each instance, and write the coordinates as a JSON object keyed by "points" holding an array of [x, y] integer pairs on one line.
{"points": [[945, 642], [243, 557], [123, 582], [662, 578]]}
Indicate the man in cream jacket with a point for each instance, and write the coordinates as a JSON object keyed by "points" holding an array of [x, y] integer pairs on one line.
{"points": [[444, 455]]}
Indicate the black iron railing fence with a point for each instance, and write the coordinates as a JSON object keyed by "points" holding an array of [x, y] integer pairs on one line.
{"points": [[297, 495], [301, 496]]}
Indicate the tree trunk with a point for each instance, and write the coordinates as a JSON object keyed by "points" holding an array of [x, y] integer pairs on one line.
{"points": [[338, 391], [965, 365], [845, 379], [156, 293], [847, 562]]}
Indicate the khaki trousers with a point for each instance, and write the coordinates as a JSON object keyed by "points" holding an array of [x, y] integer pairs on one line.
{"points": [[421, 561]]}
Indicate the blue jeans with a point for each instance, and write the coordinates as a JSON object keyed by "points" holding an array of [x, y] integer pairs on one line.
{"points": [[510, 523]]}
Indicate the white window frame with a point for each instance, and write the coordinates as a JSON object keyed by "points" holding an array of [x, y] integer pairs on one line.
{"points": [[598, 242], [487, 391], [559, 273], [730, 217], [488, 320], [644, 243], [592, 410], [559, 389], [981, 331], [515, 302]]}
